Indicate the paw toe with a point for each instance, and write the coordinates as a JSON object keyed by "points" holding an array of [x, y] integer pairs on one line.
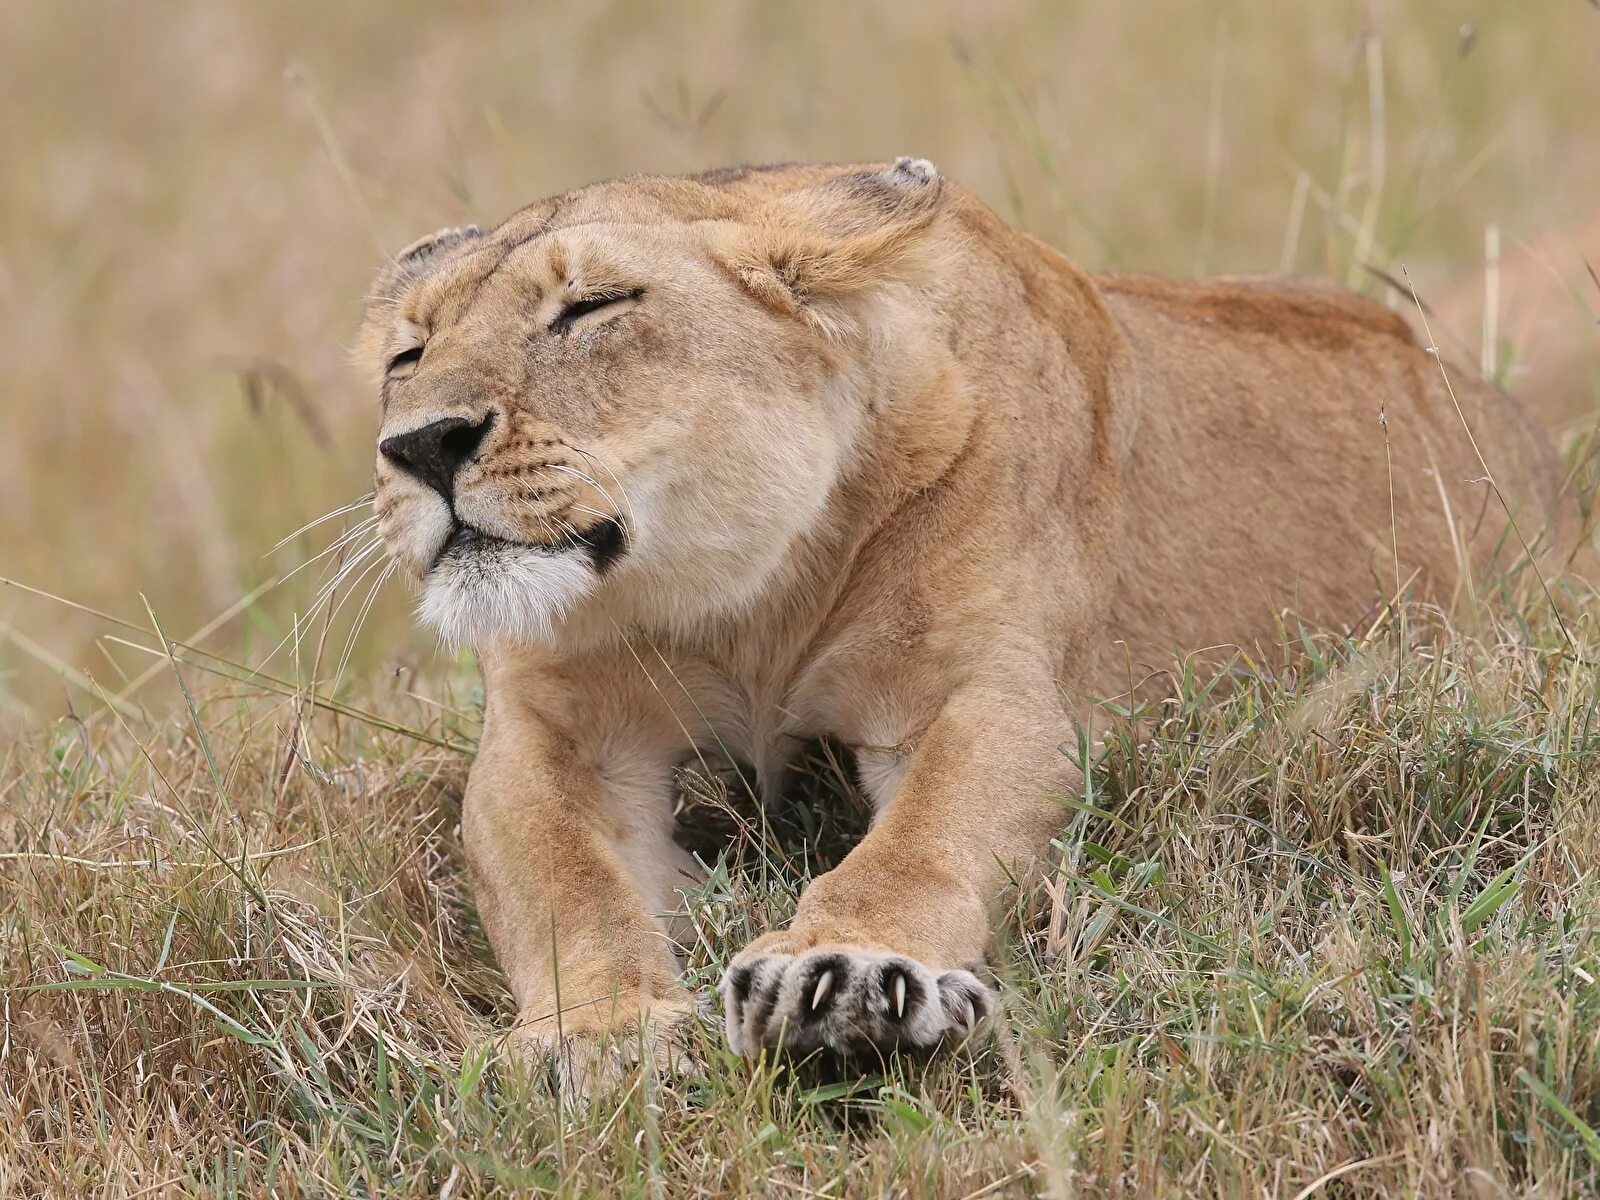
{"points": [[966, 1000], [850, 1001], [822, 980], [905, 1004]]}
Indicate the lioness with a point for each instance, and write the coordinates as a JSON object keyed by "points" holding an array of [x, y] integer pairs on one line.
{"points": [[724, 462]]}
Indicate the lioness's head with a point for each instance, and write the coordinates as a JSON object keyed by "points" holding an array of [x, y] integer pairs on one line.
{"points": [[631, 400]]}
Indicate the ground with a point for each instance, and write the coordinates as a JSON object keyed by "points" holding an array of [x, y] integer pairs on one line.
{"points": [[1330, 924]]}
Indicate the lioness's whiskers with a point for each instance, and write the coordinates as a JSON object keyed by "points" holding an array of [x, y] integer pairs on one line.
{"points": [[544, 521], [350, 535], [348, 560], [595, 484], [338, 605], [361, 619], [317, 602], [344, 571], [595, 460], [366, 569], [362, 502], [589, 479]]}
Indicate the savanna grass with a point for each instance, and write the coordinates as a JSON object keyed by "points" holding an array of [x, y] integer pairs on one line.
{"points": [[1334, 918]]}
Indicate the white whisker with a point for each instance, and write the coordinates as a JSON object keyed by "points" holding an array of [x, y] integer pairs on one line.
{"points": [[345, 568], [322, 597], [550, 530], [355, 585], [626, 499], [589, 479], [595, 484], [327, 516], [343, 541], [361, 619], [348, 557]]}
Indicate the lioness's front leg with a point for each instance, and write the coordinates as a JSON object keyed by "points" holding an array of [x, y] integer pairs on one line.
{"points": [[571, 874], [883, 950]]}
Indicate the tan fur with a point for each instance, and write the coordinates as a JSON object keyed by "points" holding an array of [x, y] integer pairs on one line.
{"points": [[893, 473]]}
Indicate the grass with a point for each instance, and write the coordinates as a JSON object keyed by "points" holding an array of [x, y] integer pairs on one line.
{"points": [[1336, 922], [1328, 926]]}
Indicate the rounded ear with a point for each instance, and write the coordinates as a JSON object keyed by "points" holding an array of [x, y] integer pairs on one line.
{"points": [[809, 251], [862, 201], [417, 259], [399, 273]]}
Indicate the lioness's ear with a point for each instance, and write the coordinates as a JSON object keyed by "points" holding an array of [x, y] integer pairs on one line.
{"points": [[417, 259], [404, 269], [810, 252]]}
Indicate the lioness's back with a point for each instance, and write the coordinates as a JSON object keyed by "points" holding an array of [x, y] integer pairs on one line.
{"points": [[1291, 436]]}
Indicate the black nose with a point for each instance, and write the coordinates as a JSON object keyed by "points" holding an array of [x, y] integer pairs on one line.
{"points": [[435, 452]]}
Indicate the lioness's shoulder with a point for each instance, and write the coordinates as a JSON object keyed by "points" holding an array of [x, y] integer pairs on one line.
{"points": [[1282, 307]]}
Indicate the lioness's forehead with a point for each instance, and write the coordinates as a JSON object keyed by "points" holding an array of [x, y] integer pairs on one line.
{"points": [[523, 269]]}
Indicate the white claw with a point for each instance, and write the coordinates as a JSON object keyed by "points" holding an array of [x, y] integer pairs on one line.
{"points": [[824, 986], [972, 1017], [899, 995]]}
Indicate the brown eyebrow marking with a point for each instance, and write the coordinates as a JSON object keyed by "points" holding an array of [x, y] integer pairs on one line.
{"points": [[436, 292], [561, 261]]}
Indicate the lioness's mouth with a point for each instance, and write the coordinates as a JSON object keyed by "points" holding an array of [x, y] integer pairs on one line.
{"points": [[604, 541], [461, 537], [464, 540]]}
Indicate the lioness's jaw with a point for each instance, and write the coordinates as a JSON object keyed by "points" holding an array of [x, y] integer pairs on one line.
{"points": [[481, 587]]}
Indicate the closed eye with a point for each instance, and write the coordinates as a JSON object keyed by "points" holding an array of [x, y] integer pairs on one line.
{"points": [[406, 361], [589, 304]]}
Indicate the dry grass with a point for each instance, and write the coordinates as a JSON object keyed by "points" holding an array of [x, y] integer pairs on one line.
{"points": [[1336, 919], [1329, 927]]}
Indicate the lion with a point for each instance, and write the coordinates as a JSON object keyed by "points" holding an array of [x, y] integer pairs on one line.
{"points": [[723, 463]]}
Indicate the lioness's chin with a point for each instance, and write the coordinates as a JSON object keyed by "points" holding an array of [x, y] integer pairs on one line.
{"points": [[502, 590]]}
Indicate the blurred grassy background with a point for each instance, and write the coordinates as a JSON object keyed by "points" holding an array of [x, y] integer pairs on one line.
{"points": [[196, 194]]}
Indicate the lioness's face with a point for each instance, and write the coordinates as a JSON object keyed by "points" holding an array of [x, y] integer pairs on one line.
{"points": [[603, 419], [585, 411]]}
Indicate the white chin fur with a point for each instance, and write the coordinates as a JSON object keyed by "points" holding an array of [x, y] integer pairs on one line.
{"points": [[503, 591]]}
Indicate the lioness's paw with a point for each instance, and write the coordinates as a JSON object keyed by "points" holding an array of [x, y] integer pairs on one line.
{"points": [[848, 999], [589, 1062]]}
